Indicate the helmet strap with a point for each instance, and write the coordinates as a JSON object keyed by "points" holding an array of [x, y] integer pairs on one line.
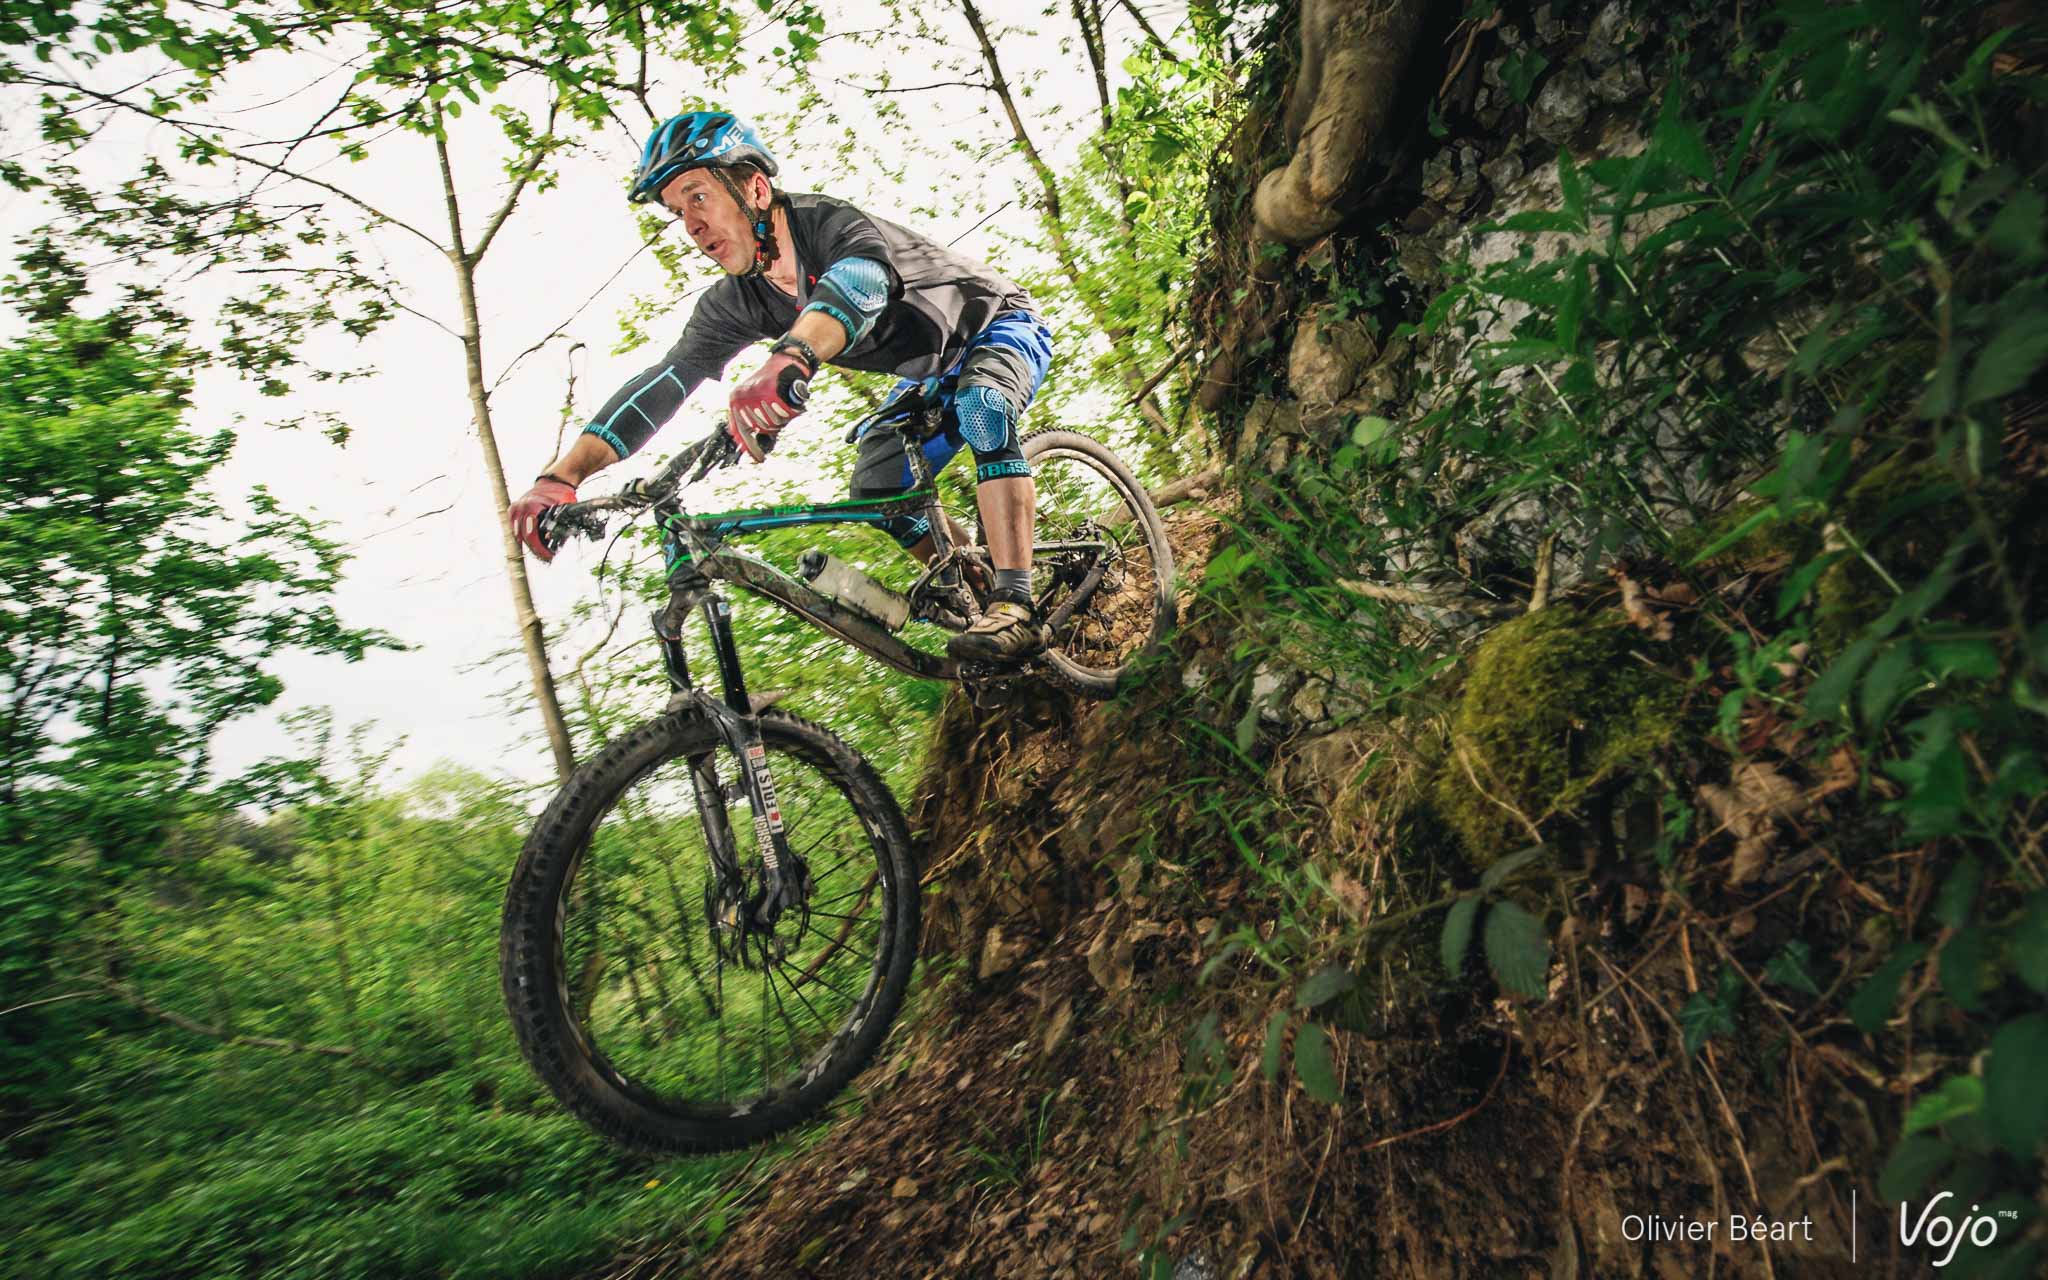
{"points": [[763, 221]]}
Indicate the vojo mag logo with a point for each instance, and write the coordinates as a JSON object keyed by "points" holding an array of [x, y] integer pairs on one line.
{"points": [[1941, 1229]]}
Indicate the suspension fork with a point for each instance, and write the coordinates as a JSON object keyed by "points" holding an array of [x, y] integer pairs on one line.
{"points": [[785, 878]]}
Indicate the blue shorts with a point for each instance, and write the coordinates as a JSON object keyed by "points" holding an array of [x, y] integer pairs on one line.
{"points": [[980, 396]]}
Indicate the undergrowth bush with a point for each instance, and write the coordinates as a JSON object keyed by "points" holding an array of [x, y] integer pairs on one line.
{"points": [[1777, 352]]}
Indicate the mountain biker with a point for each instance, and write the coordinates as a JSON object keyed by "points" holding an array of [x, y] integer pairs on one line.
{"points": [[832, 284]]}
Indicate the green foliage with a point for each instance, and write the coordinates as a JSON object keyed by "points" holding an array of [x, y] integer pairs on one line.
{"points": [[1786, 355], [142, 614], [1711, 1013]]}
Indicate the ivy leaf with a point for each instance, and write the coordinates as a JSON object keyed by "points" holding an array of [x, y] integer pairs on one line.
{"points": [[1312, 1064], [1793, 967], [1518, 71], [1710, 1014], [1326, 985], [1873, 1001], [1517, 949], [1458, 932], [2015, 1104]]}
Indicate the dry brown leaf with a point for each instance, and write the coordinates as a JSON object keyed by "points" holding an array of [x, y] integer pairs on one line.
{"points": [[905, 1189], [1351, 895], [1635, 604], [1750, 808]]}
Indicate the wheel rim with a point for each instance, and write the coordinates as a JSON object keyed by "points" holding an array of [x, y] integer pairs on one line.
{"points": [[1080, 501], [684, 1019]]}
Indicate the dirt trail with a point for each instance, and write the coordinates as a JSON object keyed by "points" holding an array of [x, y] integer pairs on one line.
{"points": [[1041, 1112]]}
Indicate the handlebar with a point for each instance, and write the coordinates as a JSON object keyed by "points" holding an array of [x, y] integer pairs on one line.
{"points": [[558, 524]]}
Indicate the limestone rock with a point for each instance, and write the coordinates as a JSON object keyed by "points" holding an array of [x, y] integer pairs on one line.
{"points": [[1326, 359], [1562, 106]]}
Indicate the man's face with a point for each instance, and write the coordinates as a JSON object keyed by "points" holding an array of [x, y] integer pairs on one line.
{"points": [[713, 219]]}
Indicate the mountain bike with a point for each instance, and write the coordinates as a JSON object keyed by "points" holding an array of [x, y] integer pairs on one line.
{"points": [[680, 991]]}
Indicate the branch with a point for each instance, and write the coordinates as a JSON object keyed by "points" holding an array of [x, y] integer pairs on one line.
{"points": [[559, 329], [1164, 50], [1152, 383], [192, 131], [526, 172], [915, 88], [135, 1001]]}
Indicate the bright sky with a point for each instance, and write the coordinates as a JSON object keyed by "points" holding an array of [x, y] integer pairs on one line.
{"points": [[408, 492]]}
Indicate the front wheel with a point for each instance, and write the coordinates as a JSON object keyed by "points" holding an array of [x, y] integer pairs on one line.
{"points": [[1102, 570], [635, 992]]}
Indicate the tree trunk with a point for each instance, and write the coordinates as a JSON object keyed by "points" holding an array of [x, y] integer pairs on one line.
{"points": [[532, 637]]}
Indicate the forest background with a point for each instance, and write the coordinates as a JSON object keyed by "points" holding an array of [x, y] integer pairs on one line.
{"points": [[1616, 688]]}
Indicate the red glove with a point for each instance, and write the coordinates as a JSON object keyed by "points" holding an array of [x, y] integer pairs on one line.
{"points": [[768, 399], [525, 514]]}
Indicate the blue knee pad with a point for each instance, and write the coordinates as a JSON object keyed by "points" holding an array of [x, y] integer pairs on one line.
{"points": [[989, 426]]}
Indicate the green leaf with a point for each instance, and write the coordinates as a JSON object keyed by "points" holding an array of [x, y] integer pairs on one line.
{"points": [[1537, 220], [1680, 142], [1830, 690], [1369, 431], [1312, 1064], [1793, 967], [2016, 231], [1324, 986], [1517, 949], [1497, 874], [1965, 958], [1912, 1163], [1885, 683], [1958, 1096], [1959, 892], [2015, 1104], [1518, 351], [1276, 1040], [1571, 311], [1710, 1013], [2009, 359], [1750, 524], [1518, 71], [1458, 932], [1970, 657], [1873, 1001], [1571, 183], [2030, 943]]}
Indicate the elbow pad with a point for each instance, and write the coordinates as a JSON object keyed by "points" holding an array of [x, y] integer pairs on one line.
{"points": [[852, 291]]}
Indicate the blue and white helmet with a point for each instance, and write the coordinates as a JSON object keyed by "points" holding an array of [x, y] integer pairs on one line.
{"points": [[697, 139]]}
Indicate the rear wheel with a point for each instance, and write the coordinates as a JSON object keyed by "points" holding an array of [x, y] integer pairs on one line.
{"points": [[1102, 571], [633, 993]]}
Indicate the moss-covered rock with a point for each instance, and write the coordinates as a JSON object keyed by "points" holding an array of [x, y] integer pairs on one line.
{"points": [[1555, 703]]}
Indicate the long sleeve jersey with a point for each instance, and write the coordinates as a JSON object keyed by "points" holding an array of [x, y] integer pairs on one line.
{"points": [[937, 301]]}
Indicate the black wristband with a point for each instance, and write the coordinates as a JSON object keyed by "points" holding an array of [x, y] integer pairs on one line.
{"points": [[549, 475], [790, 342]]}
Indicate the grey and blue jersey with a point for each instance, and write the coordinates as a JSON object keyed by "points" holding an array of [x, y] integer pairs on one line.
{"points": [[934, 304]]}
